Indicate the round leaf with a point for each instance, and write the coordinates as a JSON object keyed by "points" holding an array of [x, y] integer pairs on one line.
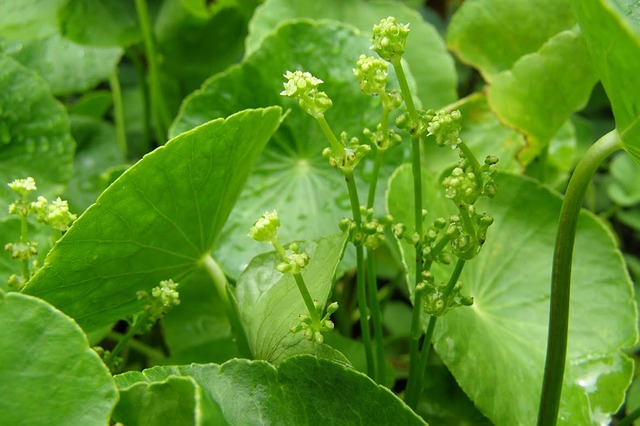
{"points": [[498, 344], [613, 38], [48, 373]]}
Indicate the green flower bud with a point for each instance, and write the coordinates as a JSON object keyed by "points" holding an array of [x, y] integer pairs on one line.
{"points": [[446, 128], [304, 87], [390, 38], [266, 227], [371, 74]]}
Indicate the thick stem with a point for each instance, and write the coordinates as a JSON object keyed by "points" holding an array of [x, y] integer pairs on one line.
{"points": [[416, 382], [158, 106], [331, 137], [561, 275], [118, 113], [404, 88]]}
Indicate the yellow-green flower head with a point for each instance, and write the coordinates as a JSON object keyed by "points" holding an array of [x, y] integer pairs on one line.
{"points": [[23, 186], [299, 84], [166, 293], [371, 74], [266, 227], [389, 38]]}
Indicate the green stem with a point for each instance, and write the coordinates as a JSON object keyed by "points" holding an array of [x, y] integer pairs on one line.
{"points": [[377, 162], [118, 112], [628, 420], [133, 56], [157, 100], [416, 382], [561, 275], [124, 340], [468, 154], [308, 300], [138, 346], [227, 296], [331, 137], [375, 316], [404, 88], [363, 307]]}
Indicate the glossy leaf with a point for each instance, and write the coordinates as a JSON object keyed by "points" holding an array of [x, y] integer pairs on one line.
{"points": [[613, 38], [104, 23], [431, 65], [45, 360], [498, 344], [156, 222], [291, 176], [492, 35], [533, 57], [301, 390], [35, 138], [67, 67], [270, 302], [539, 93], [175, 400]]}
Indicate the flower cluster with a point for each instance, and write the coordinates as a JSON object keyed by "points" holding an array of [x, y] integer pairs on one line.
{"points": [[372, 74], [434, 300], [446, 127], [163, 298], [313, 331], [304, 87], [371, 232], [349, 156], [390, 38]]}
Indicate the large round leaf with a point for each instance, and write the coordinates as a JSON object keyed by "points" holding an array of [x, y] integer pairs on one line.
{"points": [[498, 345], [303, 390], [613, 38], [157, 221], [48, 373]]}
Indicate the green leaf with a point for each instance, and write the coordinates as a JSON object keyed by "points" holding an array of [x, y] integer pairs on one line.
{"points": [[35, 138], [198, 330], [176, 401], [613, 38], [67, 67], [431, 65], [270, 303], [105, 23], [498, 344], [624, 187], [193, 48], [45, 360], [539, 93], [24, 19], [156, 222], [303, 390], [96, 154], [492, 35], [291, 176]]}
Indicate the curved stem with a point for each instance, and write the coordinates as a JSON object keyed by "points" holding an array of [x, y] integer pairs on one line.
{"points": [[308, 300], [561, 275]]}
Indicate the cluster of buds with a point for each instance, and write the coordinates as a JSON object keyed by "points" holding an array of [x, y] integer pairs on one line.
{"points": [[371, 232], [390, 38], [349, 155], [303, 87], [383, 139], [313, 332], [417, 128], [446, 127], [293, 261], [163, 298], [434, 299]]}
